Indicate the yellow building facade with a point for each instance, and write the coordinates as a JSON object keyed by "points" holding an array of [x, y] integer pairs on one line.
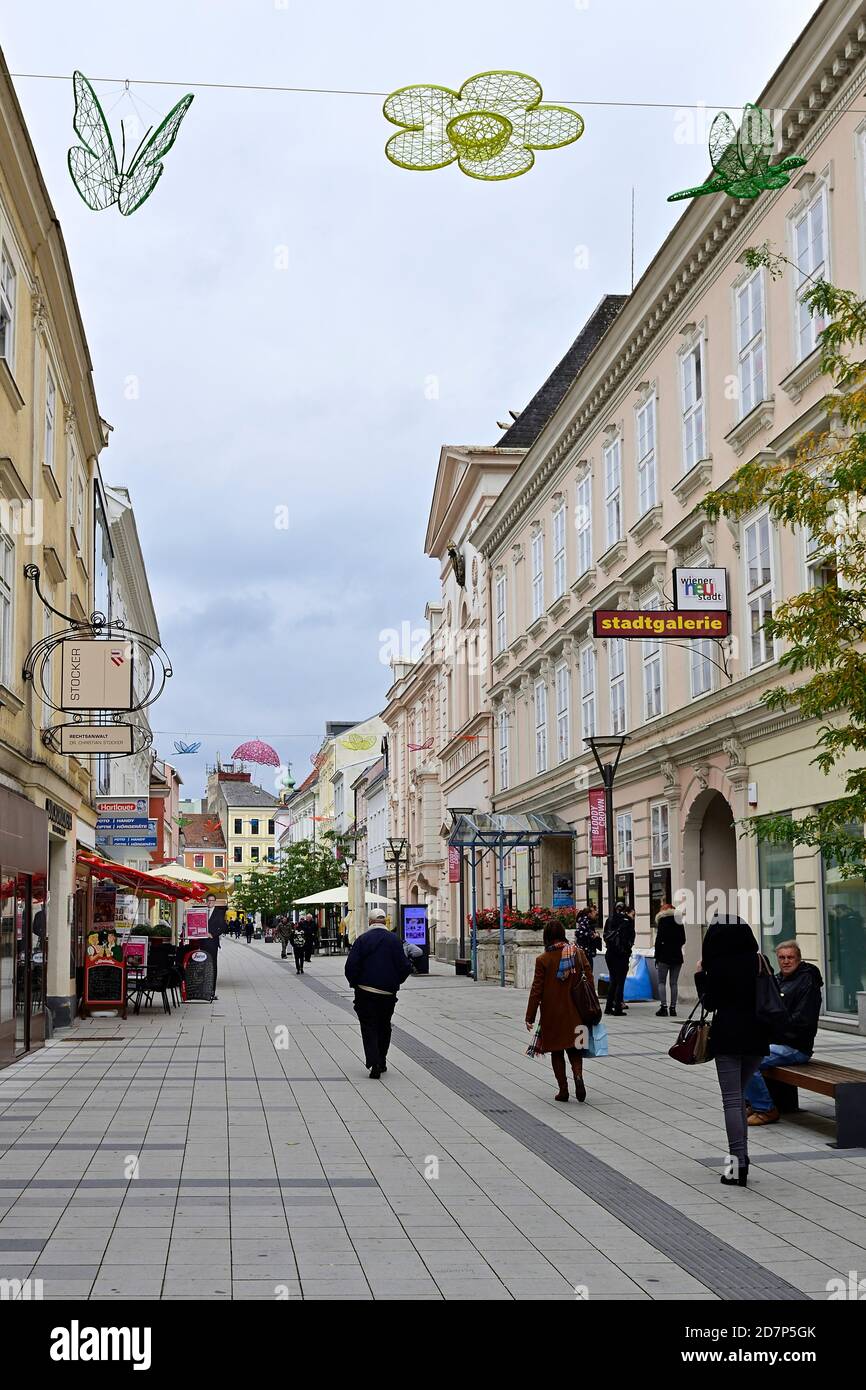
{"points": [[51, 435]]}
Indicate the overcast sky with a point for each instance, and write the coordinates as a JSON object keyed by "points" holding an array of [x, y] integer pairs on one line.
{"points": [[314, 387]]}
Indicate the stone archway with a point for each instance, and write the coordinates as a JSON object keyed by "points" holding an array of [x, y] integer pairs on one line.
{"points": [[709, 843], [710, 853]]}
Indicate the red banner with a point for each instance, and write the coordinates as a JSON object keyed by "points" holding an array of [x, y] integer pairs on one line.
{"points": [[453, 863], [597, 823]]}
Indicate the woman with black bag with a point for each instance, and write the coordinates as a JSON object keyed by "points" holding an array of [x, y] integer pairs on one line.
{"points": [[726, 983]]}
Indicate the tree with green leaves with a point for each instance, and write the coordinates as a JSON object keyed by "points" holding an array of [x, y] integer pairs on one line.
{"points": [[822, 489]]}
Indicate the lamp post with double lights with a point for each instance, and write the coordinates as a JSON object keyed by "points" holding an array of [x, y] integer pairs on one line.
{"points": [[607, 751], [396, 850], [455, 813]]}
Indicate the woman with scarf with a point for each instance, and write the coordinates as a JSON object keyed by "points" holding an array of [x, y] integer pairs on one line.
{"points": [[555, 973], [726, 980]]}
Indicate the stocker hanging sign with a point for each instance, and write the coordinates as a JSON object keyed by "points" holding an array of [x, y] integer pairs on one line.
{"points": [[96, 673]]}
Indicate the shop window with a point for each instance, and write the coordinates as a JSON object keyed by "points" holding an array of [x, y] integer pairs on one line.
{"points": [[778, 918], [844, 902]]}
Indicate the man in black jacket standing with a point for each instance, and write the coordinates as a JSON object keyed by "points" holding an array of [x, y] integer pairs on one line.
{"points": [[376, 968], [800, 984], [618, 941]]}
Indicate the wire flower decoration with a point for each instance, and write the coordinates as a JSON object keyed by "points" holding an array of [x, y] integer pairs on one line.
{"points": [[741, 158], [93, 165], [181, 747], [491, 127]]}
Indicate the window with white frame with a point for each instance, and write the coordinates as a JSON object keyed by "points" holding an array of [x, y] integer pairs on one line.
{"points": [[583, 524], [700, 667], [563, 726], [8, 284], [820, 562], [540, 726], [537, 575], [646, 456], [810, 254], [7, 605], [759, 587], [559, 551], [624, 841], [616, 671], [652, 673], [587, 692], [692, 386], [50, 414], [660, 835], [502, 726], [749, 309], [501, 631], [613, 492]]}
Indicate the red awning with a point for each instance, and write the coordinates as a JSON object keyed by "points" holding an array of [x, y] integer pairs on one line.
{"points": [[144, 884]]}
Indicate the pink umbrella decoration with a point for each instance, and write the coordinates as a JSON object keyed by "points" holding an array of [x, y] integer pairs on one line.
{"points": [[257, 752]]}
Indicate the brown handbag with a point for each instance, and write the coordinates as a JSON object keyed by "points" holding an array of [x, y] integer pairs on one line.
{"points": [[692, 1040], [583, 994]]}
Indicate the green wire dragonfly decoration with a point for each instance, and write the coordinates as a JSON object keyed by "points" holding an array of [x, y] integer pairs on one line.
{"points": [[93, 164], [741, 158]]}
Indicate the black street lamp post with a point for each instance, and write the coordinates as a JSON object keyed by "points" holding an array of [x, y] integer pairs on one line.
{"points": [[395, 853], [607, 751], [456, 812]]}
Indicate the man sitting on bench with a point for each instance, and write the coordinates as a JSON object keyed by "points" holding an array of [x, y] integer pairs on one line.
{"points": [[801, 985]]}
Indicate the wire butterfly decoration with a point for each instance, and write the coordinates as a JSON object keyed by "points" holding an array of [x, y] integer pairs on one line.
{"points": [[741, 158], [181, 747], [93, 164]]}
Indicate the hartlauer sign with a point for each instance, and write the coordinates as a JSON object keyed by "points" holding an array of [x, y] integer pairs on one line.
{"points": [[96, 673]]}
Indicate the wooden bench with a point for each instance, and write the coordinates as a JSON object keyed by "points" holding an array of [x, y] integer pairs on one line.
{"points": [[845, 1085]]}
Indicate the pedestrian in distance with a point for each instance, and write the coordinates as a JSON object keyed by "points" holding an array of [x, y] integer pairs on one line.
{"points": [[586, 931], [376, 967], [310, 936], [299, 946], [726, 983], [618, 941], [800, 985], [248, 928], [284, 935], [552, 993], [670, 940]]}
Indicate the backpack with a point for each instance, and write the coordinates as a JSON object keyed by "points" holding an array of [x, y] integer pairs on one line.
{"points": [[616, 937], [298, 938]]}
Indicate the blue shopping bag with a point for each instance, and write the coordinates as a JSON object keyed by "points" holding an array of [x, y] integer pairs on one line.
{"points": [[597, 1043]]}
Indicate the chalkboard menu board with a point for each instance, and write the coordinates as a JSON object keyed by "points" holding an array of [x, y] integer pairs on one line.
{"points": [[199, 975], [104, 986]]}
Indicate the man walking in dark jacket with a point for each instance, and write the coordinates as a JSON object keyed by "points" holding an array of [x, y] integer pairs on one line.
{"points": [[618, 941], [376, 967], [800, 985]]}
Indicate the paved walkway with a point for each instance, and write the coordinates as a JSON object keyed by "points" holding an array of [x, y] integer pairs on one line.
{"points": [[239, 1150]]}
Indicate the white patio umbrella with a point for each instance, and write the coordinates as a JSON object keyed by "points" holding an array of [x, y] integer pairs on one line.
{"points": [[179, 873], [337, 895]]}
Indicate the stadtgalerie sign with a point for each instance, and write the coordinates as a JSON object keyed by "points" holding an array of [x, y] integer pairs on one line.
{"points": [[96, 673], [654, 624], [700, 589], [96, 738]]}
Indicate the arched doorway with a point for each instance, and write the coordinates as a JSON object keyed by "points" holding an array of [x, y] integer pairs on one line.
{"points": [[718, 855], [710, 856]]}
